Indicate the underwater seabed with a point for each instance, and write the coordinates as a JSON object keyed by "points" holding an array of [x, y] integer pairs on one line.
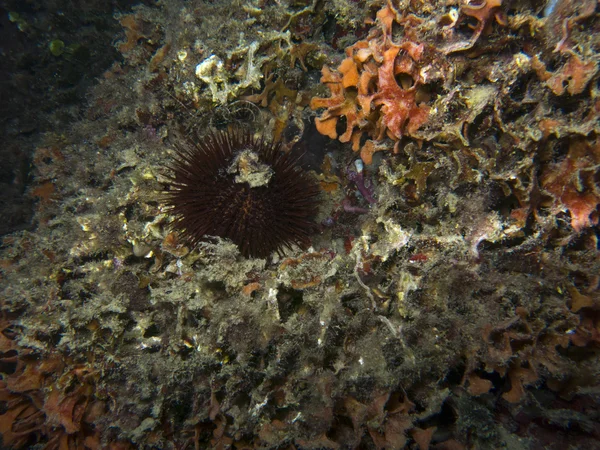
{"points": [[428, 274]]}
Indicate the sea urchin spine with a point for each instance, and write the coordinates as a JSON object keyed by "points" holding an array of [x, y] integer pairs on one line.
{"points": [[235, 186]]}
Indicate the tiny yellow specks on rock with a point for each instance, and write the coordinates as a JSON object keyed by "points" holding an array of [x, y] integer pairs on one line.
{"points": [[147, 174], [84, 223]]}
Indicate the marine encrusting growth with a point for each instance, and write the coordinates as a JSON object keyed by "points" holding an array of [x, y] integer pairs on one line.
{"points": [[234, 186], [450, 300]]}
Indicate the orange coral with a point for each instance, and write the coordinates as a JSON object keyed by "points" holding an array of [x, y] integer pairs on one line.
{"points": [[484, 12], [398, 103], [376, 89], [387, 418], [22, 419], [571, 183], [523, 349], [299, 52], [44, 192], [337, 105], [281, 102], [587, 305], [38, 406], [132, 33], [572, 77]]}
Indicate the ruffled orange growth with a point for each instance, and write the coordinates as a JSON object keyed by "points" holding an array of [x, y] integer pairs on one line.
{"points": [[423, 437], [281, 101], [249, 288], [172, 245], [299, 52], [369, 149], [519, 377], [485, 11], [376, 89], [521, 349], [38, 406], [386, 419], [580, 301], [159, 57], [588, 331], [133, 33], [478, 385], [548, 126], [572, 186], [274, 94], [67, 410], [398, 104], [337, 105], [573, 77], [22, 419], [44, 192], [305, 271], [587, 305]]}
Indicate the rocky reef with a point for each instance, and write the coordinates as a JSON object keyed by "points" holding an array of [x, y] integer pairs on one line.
{"points": [[449, 298]]}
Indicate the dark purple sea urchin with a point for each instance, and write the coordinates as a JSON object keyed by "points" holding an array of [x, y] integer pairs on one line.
{"points": [[232, 185]]}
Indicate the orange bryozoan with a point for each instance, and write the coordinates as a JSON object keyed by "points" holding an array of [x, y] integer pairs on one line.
{"points": [[378, 88]]}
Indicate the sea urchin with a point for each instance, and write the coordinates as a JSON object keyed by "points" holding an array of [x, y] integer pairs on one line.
{"points": [[232, 185]]}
